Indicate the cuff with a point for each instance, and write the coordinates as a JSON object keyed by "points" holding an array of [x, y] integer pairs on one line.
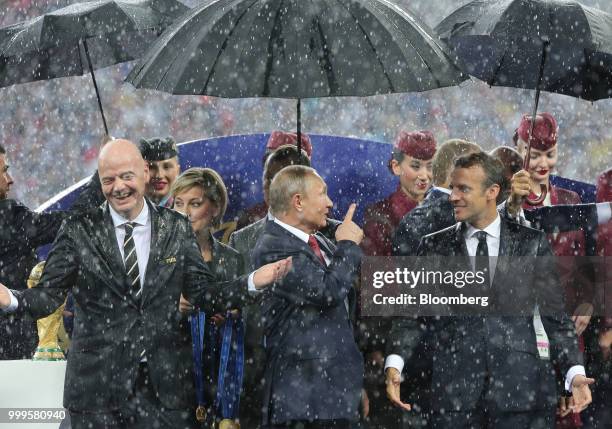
{"points": [[604, 213], [394, 361], [13, 305], [573, 371], [251, 283]]}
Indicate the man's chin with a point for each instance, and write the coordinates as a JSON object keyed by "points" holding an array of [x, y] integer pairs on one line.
{"points": [[123, 207]]}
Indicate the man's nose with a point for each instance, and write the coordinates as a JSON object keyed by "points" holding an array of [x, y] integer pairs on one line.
{"points": [[119, 185], [454, 196], [9, 179]]}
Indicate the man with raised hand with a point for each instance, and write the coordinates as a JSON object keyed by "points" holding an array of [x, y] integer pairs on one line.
{"points": [[314, 370], [127, 264]]}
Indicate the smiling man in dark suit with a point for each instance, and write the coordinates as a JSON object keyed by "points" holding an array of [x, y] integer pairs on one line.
{"points": [[487, 370], [314, 370], [127, 263]]}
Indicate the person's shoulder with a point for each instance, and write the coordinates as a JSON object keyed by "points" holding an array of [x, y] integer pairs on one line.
{"points": [[526, 232], [10, 208], [566, 196], [443, 234], [379, 209], [9, 203], [227, 250], [169, 214], [250, 229]]}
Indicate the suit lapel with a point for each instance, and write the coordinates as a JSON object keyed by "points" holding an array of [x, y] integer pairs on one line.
{"points": [[507, 249], [159, 236], [325, 245], [109, 246], [459, 246]]}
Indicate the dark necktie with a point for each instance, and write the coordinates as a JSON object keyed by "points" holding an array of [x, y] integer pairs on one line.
{"points": [[314, 245], [482, 257], [130, 259]]}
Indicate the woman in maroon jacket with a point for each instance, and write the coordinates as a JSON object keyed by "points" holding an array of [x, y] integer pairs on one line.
{"points": [[567, 245], [411, 162]]}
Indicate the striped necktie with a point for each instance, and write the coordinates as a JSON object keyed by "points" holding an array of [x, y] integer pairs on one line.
{"points": [[130, 260]]}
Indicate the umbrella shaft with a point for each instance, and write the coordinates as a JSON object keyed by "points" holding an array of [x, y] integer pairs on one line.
{"points": [[93, 78], [299, 125], [535, 103]]}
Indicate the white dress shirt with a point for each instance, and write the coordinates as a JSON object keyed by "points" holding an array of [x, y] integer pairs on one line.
{"points": [[493, 231], [141, 234]]}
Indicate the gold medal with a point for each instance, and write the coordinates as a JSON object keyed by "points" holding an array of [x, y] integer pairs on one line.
{"points": [[201, 413], [229, 424]]}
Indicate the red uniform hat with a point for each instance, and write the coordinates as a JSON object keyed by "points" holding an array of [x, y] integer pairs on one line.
{"points": [[281, 138], [604, 187], [544, 131], [417, 144]]}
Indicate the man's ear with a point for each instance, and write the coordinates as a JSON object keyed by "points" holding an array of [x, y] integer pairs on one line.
{"points": [[297, 202], [493, 191]]}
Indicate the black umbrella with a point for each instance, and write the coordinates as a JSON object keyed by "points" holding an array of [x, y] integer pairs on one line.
{"points": [[556, 46], [80, 37], [296, 49]]}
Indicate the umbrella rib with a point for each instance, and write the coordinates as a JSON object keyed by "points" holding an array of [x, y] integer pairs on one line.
{"points": [[270, 50], [225, 42], [369, 41], [325, 60]]}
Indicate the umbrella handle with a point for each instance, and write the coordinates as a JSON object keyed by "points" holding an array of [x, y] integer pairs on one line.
{"points": [[540, 199]]}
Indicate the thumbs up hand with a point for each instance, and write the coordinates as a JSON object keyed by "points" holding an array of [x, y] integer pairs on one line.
{"points": [[349, 230]]}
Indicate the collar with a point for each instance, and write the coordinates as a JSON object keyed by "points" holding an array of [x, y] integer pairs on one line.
{"points": [[493, 229], [440, 189], [293, 230], [269, 215], [165, 202], [142, 218], [400, 203]]}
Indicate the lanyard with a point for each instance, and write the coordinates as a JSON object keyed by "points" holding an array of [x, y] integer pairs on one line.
{"points": [[198, 324], [231, 368]]}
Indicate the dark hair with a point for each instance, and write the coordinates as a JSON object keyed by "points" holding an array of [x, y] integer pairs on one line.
{"points": [[512, 162], [282, 157], [493, 168], [2, 150]]}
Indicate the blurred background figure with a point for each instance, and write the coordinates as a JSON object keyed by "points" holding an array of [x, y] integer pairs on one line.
{"points": [[276, 140], [162, 156]]}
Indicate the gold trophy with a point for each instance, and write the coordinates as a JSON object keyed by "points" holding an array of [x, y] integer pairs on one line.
{"points": [[51, 328], [229, 424]]}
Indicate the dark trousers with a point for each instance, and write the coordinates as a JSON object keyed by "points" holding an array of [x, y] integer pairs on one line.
{"points": [[143, 410], [483, 419], [316, 424]]}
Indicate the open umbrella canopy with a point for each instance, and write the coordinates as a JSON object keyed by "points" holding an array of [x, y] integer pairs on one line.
{"points": [[50, 46], [506, 42], [296, 49]]}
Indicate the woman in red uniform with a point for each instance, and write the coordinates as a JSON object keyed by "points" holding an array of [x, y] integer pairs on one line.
{"points": [[411, 162], [578, 288]]}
